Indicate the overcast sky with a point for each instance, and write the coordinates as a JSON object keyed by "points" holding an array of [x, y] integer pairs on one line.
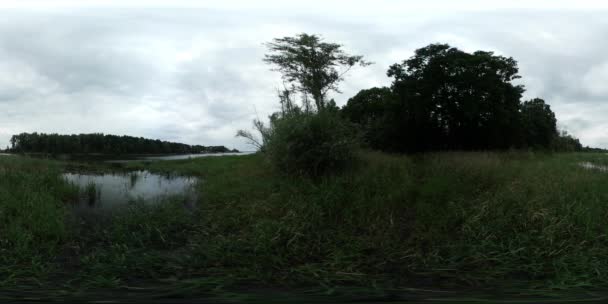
{"points": [[190, 72]]}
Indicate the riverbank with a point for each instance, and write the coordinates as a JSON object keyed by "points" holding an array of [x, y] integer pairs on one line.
{"points": [[446, 220]]}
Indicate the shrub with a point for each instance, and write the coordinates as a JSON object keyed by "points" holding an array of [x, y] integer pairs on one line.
{"points": [[310, 144]]}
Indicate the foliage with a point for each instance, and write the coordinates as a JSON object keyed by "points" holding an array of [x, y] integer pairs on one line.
{"points": [[311, 65], [567, 143], [590, 149], [539, 123], [446, 218], [264, 131], [100, 143], [443, 98], [443, 219], [32, 217], [300, 139], [311, 144], [370, 111], [451, 99], [367, 105]]}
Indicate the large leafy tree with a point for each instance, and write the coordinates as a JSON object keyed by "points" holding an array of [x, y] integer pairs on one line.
{"points": [[371, 110], [451, 99], [538, 123], [312, 66], [367, 105]]}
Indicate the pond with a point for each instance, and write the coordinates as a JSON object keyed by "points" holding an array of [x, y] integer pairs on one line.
{"points": [[110, 190]]}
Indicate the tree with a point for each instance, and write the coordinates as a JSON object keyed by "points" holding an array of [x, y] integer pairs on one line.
{"points": [[287, 106], [538, 123], [298, 139], [443, 98], [252, 139], [565, 142], [373, 112], [451, 99], [367, 105], [100, 143], [312, 66]]}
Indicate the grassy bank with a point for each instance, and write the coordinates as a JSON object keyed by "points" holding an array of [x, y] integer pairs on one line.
{"points": [[447, 219], [438, 219], [33, 212]]}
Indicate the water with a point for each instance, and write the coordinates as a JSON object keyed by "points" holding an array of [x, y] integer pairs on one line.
{"points": [[111, 190], [189, 156], [589, 165], [177, 157]]}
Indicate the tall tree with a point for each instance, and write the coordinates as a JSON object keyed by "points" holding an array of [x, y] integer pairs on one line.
{"points": [[372, 111], [314, 67], [538, 123], [451, 99], [367, 105]]}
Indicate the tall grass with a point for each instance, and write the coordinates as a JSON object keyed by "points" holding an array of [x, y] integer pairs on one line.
{"points": [[90, 193], [444, 219], [32, 217], [436, 219], [310, 144]]}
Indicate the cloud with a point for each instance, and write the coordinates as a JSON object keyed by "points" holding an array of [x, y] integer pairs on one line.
{"points": [[595, 80], [191, 71]]}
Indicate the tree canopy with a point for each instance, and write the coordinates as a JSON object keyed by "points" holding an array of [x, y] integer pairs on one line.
{"points": [[100, 143], [538, 122], [312, 66], [371, 109], [443, 98]]}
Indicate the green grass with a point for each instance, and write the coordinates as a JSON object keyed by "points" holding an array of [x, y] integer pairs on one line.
{"points": [[436, 220], [32, 218]]}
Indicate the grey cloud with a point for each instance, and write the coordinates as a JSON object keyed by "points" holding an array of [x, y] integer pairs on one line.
{"points": [[76, 59], [196, 76]]}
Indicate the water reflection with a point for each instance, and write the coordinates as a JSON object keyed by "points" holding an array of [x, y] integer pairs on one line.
{"points": [[589, 165], [177, 157], [189, 156], [105, 191]]}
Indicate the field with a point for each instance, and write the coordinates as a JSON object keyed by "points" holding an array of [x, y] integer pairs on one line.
{"points": [[435, 221]]}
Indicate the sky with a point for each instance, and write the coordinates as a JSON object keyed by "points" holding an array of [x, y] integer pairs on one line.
{"points": [[192, 71]]}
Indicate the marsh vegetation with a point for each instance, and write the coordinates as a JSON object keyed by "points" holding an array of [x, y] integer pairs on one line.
{"points": [[427, 184], [435, 221]]}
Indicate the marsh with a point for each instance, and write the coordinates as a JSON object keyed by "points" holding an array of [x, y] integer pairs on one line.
{"points": [[108, 190]]}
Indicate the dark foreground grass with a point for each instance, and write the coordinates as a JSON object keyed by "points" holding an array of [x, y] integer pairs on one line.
{"points": [[478, 219], [438, 220], [32, 218]]}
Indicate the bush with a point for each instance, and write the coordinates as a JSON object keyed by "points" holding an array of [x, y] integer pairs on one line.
{"points": [[310, 144]]}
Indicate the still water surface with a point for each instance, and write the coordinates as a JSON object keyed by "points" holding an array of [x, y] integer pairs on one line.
{"points": [[177, 156], [110, 190], [589, 165], [188, 156]]}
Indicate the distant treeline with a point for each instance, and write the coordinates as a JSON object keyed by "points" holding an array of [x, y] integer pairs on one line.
{"points": [[443, 98], [102, 143], [591, 149]]}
